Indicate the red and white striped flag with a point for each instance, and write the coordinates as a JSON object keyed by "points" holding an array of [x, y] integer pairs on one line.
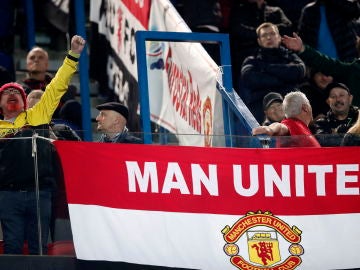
{"points": [[214, 208]]}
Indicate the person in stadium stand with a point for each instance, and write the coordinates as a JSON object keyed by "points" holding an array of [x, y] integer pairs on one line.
{"points": [[112, 120], [341, 116], [298, 115], [313, 88], [244, 17], [18, 197], [38, 77], [344, 72], [272, 69]]}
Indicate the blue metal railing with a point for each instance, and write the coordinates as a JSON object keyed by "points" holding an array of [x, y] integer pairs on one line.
{"points": [[79, 7]]}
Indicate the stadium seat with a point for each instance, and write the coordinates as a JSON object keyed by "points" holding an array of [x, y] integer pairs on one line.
{"points": [[61, 248]]}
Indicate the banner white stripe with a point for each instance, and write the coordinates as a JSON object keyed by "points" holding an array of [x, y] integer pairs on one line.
{"points": [[195, 240]]}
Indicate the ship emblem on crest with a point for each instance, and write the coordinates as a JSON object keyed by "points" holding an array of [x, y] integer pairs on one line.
{"points": [[260, 240]]}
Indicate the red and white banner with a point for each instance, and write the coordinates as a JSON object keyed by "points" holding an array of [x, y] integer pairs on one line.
{"points": [[118, 21], [214, 208]]}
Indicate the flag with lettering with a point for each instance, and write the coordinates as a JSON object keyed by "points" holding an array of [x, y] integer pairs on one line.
{"points": [[113, 53], [214, 208]]}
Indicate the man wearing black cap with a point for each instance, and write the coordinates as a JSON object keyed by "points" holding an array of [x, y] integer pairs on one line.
{"points": [[341, 116], [273, 108], [112, 121]]}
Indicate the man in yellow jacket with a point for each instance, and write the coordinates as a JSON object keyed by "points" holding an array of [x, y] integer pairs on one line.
{"points": [[13, 99], [26, 183]]}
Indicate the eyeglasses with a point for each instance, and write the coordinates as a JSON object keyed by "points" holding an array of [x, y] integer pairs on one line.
{"points": [[11, 91]]}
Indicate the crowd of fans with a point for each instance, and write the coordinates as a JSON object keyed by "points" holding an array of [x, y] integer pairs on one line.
{"points": [[261, 62], [288, 46]]}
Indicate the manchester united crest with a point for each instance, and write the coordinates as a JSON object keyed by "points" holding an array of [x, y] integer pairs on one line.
{"points": [[262, 241]]}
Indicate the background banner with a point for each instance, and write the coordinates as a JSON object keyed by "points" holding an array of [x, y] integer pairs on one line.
{"points": [[182, 207], [113, 54]]}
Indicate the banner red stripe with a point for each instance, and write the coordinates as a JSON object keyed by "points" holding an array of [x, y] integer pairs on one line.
{"points": [[299, 181], [140, 9]]}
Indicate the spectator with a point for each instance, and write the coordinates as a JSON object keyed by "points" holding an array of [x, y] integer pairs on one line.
{"points": [[327, 26], [298, 114], [59, 211], [38, 77], [70, 115], [60, 221], [5, 77], [34, 97], [272, 69], [313, 88], [18, 207], [37, 64], [273, 108], [58, 130], [345, 72], [112, 121], [341, 116], [244, 18], [352, 136]]}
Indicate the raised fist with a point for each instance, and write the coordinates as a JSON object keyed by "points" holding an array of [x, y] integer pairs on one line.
{"points": [[77, 44]]}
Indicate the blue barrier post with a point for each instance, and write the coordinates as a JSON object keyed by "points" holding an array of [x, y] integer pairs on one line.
{"points": [[30, 23], [79, 7], [143, 36]]}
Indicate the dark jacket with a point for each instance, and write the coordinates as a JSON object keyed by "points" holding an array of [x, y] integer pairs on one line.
{"points": [[31, 84], [278, 70], [345, 72], [17, 163], [269, 70], [339, 15], [330, 125], [351, 140], [123, 137]]}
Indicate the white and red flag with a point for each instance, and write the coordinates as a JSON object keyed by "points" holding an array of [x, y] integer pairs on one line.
{"points": [[214, 208]]}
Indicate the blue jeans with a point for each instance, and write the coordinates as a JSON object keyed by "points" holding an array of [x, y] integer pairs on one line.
{"points": [[19, 220]]}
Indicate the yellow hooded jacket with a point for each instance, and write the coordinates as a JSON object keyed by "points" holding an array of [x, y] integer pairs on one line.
{"points": [[42, 112]]}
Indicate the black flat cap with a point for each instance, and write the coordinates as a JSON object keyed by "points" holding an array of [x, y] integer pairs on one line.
{"points": [[333, 85], [270, 98], [115, 106]]}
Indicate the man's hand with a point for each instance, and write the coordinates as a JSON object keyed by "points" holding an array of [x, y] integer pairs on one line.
{"points": [[293, 43], [262, 130], [77, 44], [275, 129]]}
